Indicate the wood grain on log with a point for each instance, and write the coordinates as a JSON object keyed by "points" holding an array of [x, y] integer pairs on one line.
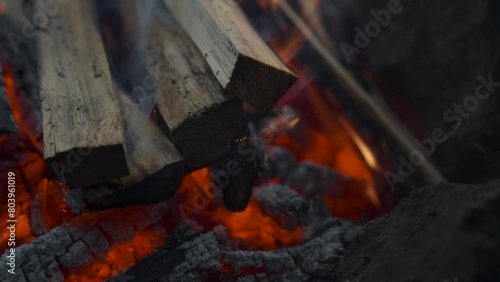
{"points": [[201, 118], [156, 167], [83, 132], [242, 62]]}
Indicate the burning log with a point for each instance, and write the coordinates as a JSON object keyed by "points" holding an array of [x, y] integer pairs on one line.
{"points": [[7, 122], [83, 132], [180, 259], [156, 168], [244, 65], [201, 118]]}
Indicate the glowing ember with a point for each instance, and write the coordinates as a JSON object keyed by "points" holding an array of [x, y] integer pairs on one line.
{"points": [[252, 226], [322, 134], [22, 143], [121, 257]]}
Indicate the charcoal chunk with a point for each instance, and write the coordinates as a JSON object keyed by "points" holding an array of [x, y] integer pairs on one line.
{"points": [[285, 206], [441, 232]]}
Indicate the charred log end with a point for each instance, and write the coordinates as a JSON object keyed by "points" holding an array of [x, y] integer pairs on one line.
{"points": [[83, 167], [202, 141], [258, 84], [153, 189]]}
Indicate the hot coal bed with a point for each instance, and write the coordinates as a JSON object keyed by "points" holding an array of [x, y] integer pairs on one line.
{"points": [[379, 162]]}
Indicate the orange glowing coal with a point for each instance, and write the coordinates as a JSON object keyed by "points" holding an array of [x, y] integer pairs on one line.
{"points": [[327, 138], [39, 204], [119, 258], [333, 141], [252, 226]]}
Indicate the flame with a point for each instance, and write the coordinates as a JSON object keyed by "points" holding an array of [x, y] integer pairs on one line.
{"points": [[335, 142]]}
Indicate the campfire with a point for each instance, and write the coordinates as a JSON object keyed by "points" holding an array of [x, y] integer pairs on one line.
{"points": [[196, 140]]}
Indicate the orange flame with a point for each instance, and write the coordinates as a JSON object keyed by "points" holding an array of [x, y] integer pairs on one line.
{"points": [[335, 142]]}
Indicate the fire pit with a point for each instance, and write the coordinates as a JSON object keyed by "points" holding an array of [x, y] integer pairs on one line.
{"points": [[221, 140]]}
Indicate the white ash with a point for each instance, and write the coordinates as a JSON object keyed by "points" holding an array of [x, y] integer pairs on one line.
{"points": [[283, 205]]}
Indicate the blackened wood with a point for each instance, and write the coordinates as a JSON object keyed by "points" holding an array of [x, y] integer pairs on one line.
{"points": [[242, 62], [202, 118], [156, 167], [240, 170], [7, 122], [83, 131]]}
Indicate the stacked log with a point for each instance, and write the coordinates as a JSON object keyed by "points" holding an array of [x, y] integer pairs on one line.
{"points": [[84, 138], [240, 60], [201, 117], [156, 168]]}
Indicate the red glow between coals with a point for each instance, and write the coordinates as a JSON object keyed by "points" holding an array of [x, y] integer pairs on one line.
{"points": [[329, 138]]}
